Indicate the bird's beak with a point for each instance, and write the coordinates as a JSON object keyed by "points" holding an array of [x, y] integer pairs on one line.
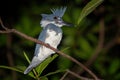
{"points": [[67, 24]]}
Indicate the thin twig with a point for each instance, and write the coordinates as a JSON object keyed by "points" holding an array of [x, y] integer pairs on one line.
{"points": [[109, 45], [79, 77], [100, 44], [48, 46], [98, 48], [4, 32], [74, 74], [9, 55], [2, 24], [35, 72], [63, 77], [112, 42]]}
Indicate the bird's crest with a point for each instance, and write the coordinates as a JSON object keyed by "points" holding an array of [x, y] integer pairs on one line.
{"points": [[59, 12]]}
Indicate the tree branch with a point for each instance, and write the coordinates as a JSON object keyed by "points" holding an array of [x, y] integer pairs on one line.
{"points": [[100, 44], [48, 46], [74, 74]]}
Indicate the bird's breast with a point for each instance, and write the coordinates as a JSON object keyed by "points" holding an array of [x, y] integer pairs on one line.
{"points": [[53, 37]]}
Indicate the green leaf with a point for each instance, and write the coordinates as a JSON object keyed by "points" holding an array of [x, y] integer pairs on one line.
{"points": [[26, 57], [85, 45], [64, 63], [11, 68], [65, 49], [88, 9], [114, 67], [30, 73], [117, 76], [43, 78], [100, 68], [85, 50], [92, 38]]}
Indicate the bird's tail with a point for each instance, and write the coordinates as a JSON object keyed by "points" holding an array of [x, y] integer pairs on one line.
{"points": [[31, 66], [28, 69], [35, 62]]}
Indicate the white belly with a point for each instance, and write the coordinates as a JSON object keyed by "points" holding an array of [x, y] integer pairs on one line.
{"points": [[53, 39]]}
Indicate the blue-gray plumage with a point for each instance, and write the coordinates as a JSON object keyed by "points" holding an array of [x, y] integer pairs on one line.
{"points": [[51, 34]]}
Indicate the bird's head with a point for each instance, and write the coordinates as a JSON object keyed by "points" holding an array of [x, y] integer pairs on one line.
{"points": [[54, 18]]}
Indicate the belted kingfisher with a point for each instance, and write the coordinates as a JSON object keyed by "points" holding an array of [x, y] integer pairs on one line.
{"points": [[51, 34]]}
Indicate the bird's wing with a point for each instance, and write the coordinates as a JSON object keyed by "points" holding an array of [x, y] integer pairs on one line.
{"points": [[36, 60], [41, 37]]}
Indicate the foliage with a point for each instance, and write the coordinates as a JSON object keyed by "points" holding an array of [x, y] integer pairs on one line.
{"points": [[80, 42]]}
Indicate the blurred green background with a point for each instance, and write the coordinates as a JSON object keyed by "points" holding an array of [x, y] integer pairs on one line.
{"points": [[94, 42]]}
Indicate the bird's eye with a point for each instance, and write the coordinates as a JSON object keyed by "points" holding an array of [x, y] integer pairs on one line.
{"points": [[55, 17]]}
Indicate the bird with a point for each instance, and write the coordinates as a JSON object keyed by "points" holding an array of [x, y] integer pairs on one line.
{"points": [[51, 34]]}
